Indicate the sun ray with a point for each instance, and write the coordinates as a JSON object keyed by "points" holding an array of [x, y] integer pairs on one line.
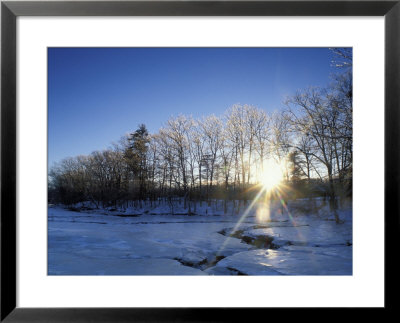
{"points": [[242, 218]]}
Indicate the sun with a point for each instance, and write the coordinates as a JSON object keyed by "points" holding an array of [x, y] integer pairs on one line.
{"points": [[272, 175]]}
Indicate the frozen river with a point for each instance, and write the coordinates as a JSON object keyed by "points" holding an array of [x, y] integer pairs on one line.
{"points": [[210, 243]]}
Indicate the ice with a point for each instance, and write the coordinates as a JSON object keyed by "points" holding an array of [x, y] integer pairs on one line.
{"points": [[288, 262], [320, 233], [69, 264], [155, 242]]}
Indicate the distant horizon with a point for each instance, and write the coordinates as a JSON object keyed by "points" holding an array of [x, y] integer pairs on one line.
{"points": [[97, 95]]}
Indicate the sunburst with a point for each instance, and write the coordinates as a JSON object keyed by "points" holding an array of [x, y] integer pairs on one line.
{"points": [[272, 175]]}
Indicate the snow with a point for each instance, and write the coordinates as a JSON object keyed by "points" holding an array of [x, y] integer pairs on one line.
{"points": [[156, 242], [292, 261]]}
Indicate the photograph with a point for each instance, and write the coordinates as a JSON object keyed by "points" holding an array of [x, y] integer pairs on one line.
{"points": [[220, 161]]}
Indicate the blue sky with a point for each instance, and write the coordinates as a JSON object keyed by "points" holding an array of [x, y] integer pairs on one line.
{"points": [[96, 95]]}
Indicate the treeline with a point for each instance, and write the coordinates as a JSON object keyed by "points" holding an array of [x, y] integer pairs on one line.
{"points": [[224, 157]]}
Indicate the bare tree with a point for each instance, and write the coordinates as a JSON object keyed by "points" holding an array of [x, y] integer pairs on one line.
{"points": [[262, 134], [212, 129], [176, 131], [236, 128], [312, 113]]}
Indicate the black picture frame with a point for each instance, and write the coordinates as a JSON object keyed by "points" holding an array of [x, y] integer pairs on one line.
{"points": [[10, 10]]}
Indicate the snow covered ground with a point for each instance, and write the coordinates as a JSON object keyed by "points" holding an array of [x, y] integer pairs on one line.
{"points": [[259, 240]]}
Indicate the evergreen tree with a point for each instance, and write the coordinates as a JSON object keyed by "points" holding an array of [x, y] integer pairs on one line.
{"points": [[136, 156], [295, 169]]}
